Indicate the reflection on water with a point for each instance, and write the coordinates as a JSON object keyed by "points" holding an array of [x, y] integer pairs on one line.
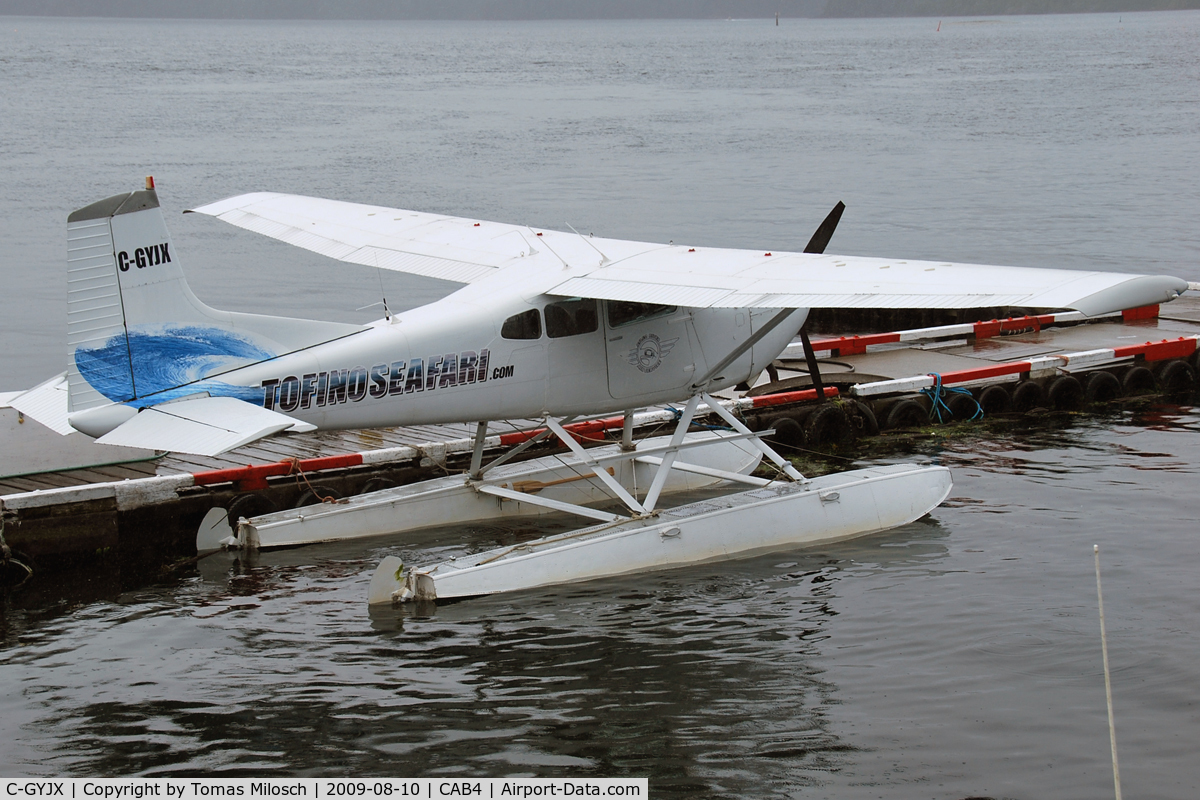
{"points": [[272, 664], [703, 678]]}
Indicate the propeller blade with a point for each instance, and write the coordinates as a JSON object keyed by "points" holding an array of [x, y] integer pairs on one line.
{"points": [[820, 239], [817, 244]]}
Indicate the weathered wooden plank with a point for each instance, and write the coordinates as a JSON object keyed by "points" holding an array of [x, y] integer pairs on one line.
{"points": [[47, 480]]}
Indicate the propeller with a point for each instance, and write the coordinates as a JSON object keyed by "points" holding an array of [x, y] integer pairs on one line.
{"points": [[820, 239], [817, 244]]}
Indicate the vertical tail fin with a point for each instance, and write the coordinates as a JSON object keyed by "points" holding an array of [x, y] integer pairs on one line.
{"points": [[96, 333], [135, 330]]}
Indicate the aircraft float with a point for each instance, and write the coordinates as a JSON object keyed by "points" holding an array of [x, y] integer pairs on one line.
{"points": [[548, 325]]}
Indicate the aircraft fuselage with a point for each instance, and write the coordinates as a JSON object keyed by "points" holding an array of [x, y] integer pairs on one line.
{"points": [[450, 361]]}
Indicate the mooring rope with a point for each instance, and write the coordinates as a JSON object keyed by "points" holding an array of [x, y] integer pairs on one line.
{"points": [[677, 415], [937, 394], [295, 468]]}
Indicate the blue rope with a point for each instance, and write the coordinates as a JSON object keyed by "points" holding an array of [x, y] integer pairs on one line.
{"points": [[678, 415], [938, 392]]}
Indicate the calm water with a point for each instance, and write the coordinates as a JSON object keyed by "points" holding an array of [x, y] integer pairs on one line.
{"points": [[956, 657]]}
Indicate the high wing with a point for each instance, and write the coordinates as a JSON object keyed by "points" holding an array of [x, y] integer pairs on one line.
{"points": [[470, 251], [737, 278], [450, 248]]}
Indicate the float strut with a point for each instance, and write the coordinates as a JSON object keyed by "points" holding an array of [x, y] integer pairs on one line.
{"points": [[477, 454], [522, 447], [739, 426], [660, 476], [614, 486]]}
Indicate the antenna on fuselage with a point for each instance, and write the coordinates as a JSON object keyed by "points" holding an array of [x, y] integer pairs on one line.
{"points": [[387, 313], [603, 258]]}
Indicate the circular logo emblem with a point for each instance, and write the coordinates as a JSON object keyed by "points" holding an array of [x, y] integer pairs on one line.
{"points": [[650, 351]]}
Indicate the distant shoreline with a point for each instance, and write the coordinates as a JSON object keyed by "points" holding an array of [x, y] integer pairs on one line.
{"points": [[532, 10]]}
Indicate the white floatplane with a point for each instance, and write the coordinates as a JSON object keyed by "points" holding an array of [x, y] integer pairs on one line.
{"points": [[549, 325]]}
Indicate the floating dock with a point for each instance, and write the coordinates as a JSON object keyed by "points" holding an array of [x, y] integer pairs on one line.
{"points": [[66, 501]]}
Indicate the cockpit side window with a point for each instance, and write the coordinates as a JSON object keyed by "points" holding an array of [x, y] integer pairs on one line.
{"points": [[571, 317], [624, 313], [526, 325]]}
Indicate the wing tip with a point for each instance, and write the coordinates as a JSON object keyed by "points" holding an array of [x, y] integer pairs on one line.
{"points": [[1135, 292]]}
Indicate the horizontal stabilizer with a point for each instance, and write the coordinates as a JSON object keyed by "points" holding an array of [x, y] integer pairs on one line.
{"points": [[46, 403], [205, 426]]}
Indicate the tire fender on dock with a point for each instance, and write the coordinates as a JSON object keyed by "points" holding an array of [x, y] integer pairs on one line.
{"points": [[1176, 377], [317, 495], [378, 485], [1065, 393], [864, 419], [828, 426], [252, 504], [1027, 396], [1139, 380], [907, 413], [962, 407], [1194, 361], [995, 399], [1101, 387], [788, 432]]}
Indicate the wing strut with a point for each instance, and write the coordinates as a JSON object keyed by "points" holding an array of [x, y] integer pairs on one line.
{"points": [[734, 354], [817, 245]]}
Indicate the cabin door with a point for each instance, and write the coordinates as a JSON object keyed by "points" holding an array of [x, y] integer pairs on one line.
{"points": [[574, 351], [649, 349]]}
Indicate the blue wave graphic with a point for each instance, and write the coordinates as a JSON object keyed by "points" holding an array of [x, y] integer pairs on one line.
{"points": [[170, 363], [106, 369]]}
